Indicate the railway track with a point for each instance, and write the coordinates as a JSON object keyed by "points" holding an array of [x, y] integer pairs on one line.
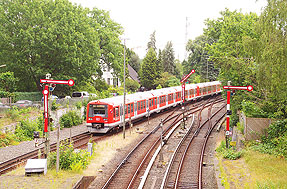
{"points": [[185, 168], [79, 141], [128, 172]]}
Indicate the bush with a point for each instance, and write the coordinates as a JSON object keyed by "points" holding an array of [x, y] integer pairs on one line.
{"points": [[132, 85], [25, 130], [228, 153], [7, 139], [55, 106], [70, 119], [240, 127], [252, 110], [5, 94], [69, 160]]}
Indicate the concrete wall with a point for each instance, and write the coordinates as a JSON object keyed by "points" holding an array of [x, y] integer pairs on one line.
{"points": [[254, 127]]}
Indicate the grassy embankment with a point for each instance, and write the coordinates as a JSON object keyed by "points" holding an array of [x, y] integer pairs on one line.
{"points": [[253, 170]]}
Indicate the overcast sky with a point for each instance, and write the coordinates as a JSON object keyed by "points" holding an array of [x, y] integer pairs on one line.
{"points": [[168, 18]]}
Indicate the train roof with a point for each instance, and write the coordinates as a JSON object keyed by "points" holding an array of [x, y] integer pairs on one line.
{"points": [[118, 100]]}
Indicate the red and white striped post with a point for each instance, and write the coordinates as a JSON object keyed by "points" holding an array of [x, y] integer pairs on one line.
{"points": [[183, 84], [228, 110], [45, 92], [248, 88]]}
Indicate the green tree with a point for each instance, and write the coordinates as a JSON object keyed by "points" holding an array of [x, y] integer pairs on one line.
{"points": [[198, 59], [227, 50], [111, 49], [163, 80], [269, 50], [132, 85], [151, 43], [149, 73], [7, 82], [57, 37], [134, 60], [168, 59]]}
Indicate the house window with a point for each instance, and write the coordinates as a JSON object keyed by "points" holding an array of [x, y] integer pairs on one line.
{"points": [[109, 81], [115, 82]]}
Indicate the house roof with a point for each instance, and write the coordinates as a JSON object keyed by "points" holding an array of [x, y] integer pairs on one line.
{"points": [[133, 74]]}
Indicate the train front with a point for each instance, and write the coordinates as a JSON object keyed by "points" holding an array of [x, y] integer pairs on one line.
{"points": [[98, 114]]}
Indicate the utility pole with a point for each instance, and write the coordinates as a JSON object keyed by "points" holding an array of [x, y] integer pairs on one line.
{"points": [[207, 70], [186, 35], [124, 109]]}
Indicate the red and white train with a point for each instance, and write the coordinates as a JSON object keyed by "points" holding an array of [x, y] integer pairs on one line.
{"points": [[106, 114]]}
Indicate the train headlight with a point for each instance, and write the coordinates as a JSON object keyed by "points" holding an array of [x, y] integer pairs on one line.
{"points": [[105, 119], [90, 119]]}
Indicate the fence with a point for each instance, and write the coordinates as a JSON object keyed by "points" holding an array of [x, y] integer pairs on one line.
{"points": [[254, 127], [6, 100]]}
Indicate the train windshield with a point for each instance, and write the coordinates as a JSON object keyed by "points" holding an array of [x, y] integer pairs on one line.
{"points": [[98, 110]]}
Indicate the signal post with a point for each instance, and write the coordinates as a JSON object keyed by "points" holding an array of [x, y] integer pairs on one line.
{"points": [[48, 87], [183, 84], [228, 87]]}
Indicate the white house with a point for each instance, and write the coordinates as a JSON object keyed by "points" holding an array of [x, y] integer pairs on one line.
{"points": [[115, 81]]}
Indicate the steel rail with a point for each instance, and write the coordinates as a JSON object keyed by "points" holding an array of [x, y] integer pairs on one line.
{"points": [[14, 162], [165, 179], [181, 162], [203, 149], [108, 182], [164, 182], [193, 110]]}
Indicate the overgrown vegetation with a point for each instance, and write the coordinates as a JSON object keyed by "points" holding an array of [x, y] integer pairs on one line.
{"points": [[70, 119], [7, 139], [69, 159], [275, 140], [228, 153], [25, 130], [15, 114]]}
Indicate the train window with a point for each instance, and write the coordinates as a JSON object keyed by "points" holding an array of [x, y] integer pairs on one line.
{"points": [[144, 104], [149, 102], [97, 110], [132, 107], [129, 109], [139, 106], [125, 109], [114, 112], [117, 111]]}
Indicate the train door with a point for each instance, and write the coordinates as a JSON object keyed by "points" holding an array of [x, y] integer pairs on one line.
{"points": [[197, 91], [116, 114]]}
